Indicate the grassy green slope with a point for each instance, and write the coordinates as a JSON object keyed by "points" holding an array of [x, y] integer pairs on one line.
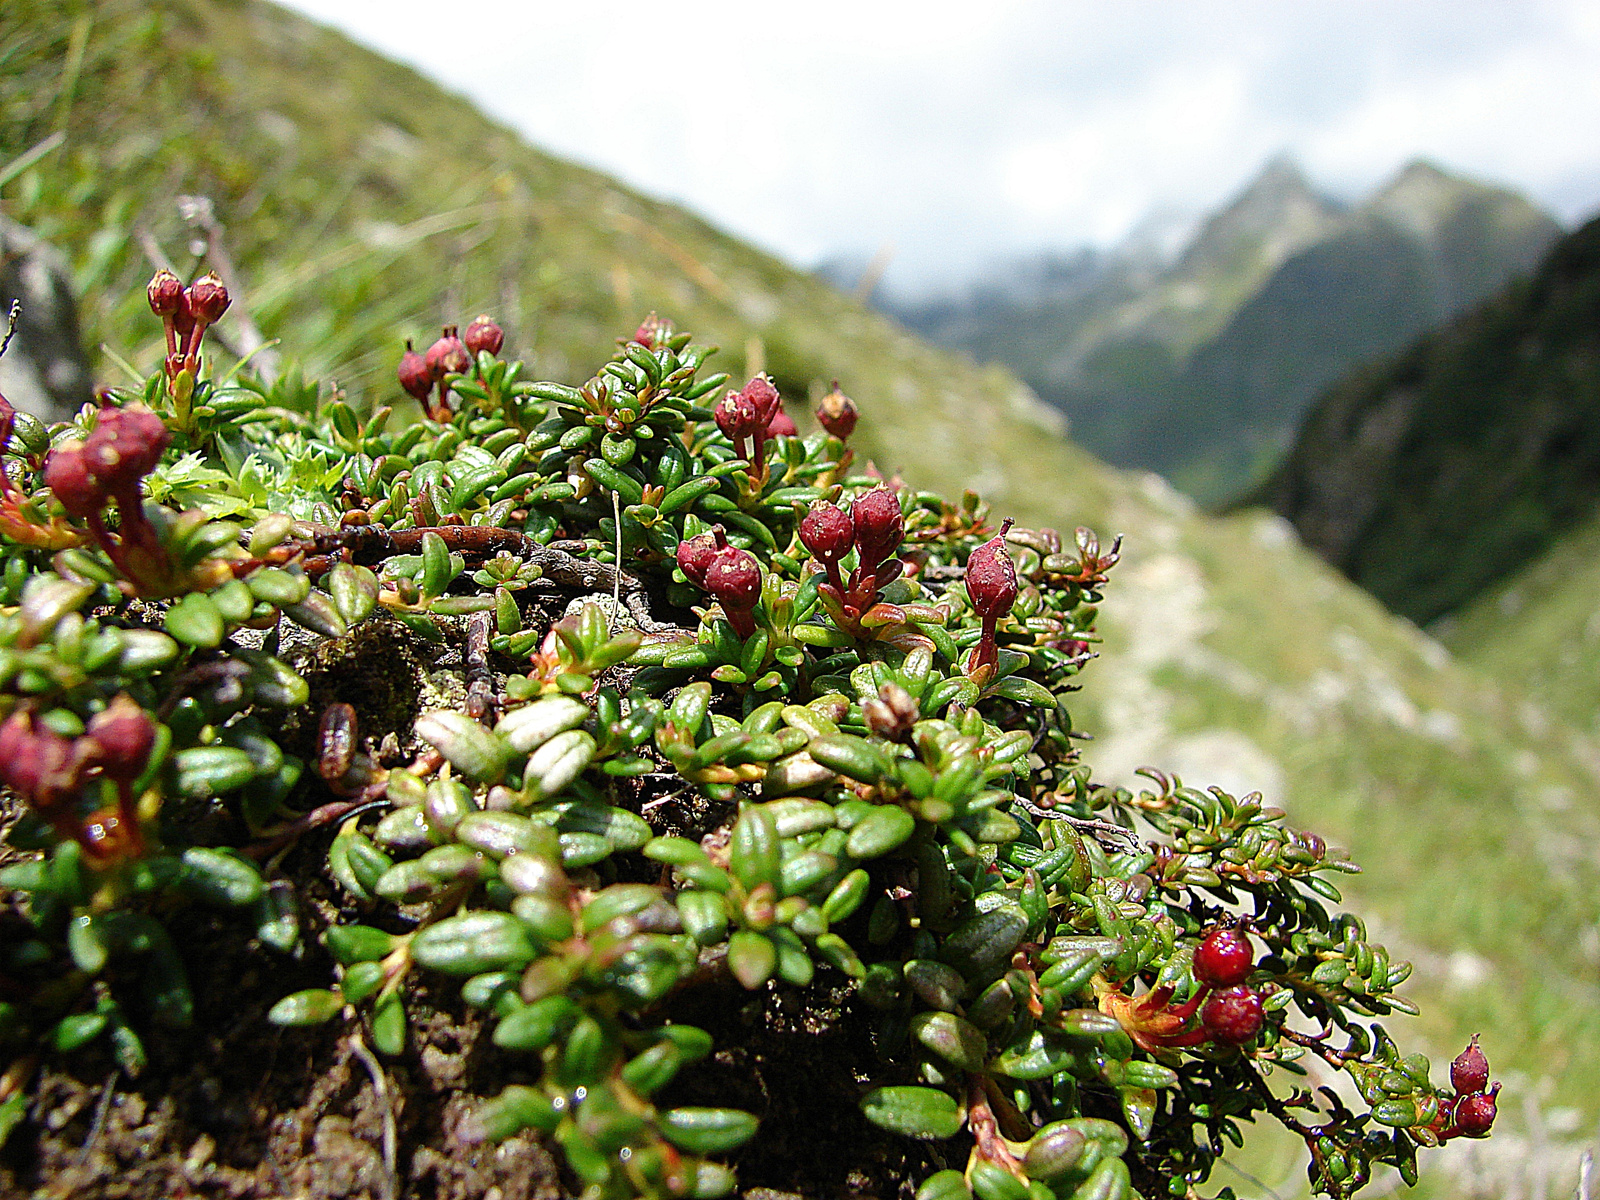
{"points": [[1542, 626], [1232, 654]]}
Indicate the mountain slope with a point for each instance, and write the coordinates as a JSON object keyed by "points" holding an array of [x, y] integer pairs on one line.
{"points": [[1425, 247], [1431, 477], [1201, 369], [1231, 654], [1122, 322], [1542, 626]]}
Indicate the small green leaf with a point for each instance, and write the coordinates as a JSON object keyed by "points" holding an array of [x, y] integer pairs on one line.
{"points": [[707, 1130], [752, 957], [884, 830], [918, 1112], [474, 942], [952, 1039], [77, 1029], [195, 621], [220, 878], [471, 748], [310, 1007]]}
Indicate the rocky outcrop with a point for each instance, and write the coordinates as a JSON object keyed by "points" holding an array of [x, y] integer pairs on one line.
{"points": [[44, 370]]}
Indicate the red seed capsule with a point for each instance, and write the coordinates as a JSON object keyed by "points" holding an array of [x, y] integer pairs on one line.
{"points": [[653, 332], [208, 299], [1470, 1071], [827, 531], [1476, 1113], [165, 293], [837, 413], [125, 735], [483, 334], [782, 424], [67, 474], [695, 554], [448, 355], [737, 417], [1232, 1015], [879, 525], [764, 397], [992, 577], [1223, 958], [124, 447], [415, 374], [734, 578]]}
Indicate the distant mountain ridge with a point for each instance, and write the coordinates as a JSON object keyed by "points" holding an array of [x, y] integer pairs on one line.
{"points": [[1202, 368], [1431, 476]]}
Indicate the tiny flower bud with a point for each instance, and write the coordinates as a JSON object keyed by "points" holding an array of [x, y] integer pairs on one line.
{"points": [[448, 355], [879, 526], [764, 396], [782, 424], [1232, 1015], [1475, 1114], [111, 835], [1223, 958], [1470, 1071], [39, 765], [208, 299], [124, 734], [837, 413], [165, 293], [827, 531], [695, 554], [67, 474], [8, 422], [415, 374], [653, 332], [124, 447], [483, 334], [992, 577], [734, 578], [737, 417], [891, 713]]}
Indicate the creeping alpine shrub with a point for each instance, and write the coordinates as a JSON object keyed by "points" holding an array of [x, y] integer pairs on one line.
{"points": [[725, 708]]}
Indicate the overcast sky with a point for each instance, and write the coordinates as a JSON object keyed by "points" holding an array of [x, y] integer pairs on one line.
{"points": [[960, 133]]}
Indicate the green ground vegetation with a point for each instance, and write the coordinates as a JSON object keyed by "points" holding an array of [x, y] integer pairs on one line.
{"points": [[360, 200]]}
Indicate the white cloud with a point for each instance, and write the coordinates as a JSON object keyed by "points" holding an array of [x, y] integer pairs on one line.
{"points": [[962, 132]]}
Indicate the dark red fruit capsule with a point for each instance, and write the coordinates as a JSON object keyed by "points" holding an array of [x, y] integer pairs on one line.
{"points": [[879, 526], [734, 578], [415, 374], [737, 417], [827, 531], [125, 735], [124, 447], [67, 474], [165, 293], [1223, 958], [208, 299], [483, 334], [696, 554], [782, 424], [1476, 1113], [837, 413], [1470, 1071], [653, 332], [448, 356], [992, 577], [1232, 1016], [764, 396]]}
